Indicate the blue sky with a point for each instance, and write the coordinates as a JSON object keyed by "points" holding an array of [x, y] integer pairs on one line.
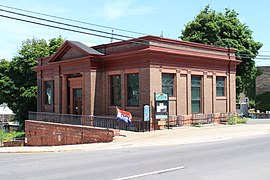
{"points": [[146, 16]]}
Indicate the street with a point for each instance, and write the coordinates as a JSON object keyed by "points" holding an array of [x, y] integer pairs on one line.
{"points": [[242, 158]]}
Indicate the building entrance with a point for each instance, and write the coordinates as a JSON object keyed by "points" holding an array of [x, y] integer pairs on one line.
{"points": [[75, 95], [77, 101]]}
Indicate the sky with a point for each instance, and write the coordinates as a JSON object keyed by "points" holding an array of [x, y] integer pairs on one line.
{"points": [[152, 17]]}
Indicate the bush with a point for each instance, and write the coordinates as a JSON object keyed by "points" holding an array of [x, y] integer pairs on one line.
{"points": [[241, 120], [3, 136], [263, 102], [197, 124], [9, 136], [231, 120]]}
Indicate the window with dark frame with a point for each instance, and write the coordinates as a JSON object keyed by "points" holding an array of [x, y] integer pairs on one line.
{"points": [[115, 90], [48, 92], [196, 94], [133, 89], [220, 86], [168, 84]]}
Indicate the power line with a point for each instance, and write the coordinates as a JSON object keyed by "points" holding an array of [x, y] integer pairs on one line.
{"points": [[93, 24], [263, 55], [42, 24], [70, 25], [253, 56], [138, 41], [72, 20], [265, 51], [263, 58]]}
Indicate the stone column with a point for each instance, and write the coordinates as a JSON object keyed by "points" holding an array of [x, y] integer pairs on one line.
{"points": [[182, 93], [57, 91], [227, 92], [39, 91], [204, 91], [232, 97], [93, 93], [87, 93], [214, 93], [178, 93], [189, 110], [144, 76], [64, 94]]}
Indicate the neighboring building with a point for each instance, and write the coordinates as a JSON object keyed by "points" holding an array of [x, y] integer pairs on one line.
{"points": [[263, 80], [6, 114], [79, 79], [6, 117]]}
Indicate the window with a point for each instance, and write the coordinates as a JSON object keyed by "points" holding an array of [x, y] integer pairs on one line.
{"points": [[220, 86], [168, 84], [49, 92], [133, 90], [196, 94], [116, 90]]}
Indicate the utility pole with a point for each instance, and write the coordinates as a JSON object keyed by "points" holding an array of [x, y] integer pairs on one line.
{"points": [[112, 36]]}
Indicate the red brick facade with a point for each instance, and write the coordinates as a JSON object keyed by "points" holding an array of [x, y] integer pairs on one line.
{"points": [[149, 57], [53, 134]]}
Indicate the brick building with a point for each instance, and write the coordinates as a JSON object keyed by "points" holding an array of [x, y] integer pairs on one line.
{"points": [[79, 79]]}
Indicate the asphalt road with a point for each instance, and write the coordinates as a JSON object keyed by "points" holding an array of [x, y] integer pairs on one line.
{"points": [[245, 158]]}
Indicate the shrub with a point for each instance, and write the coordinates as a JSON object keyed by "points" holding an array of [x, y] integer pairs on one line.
{"points": [[9, 136], [3, 136], [241, 120], [197, 124], [13, 134], [231, 120]]}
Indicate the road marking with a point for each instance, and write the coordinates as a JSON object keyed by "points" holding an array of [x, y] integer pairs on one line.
{"points": [[151, 173]]}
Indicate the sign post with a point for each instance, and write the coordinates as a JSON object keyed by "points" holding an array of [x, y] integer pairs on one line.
{"points": [[162, 106], [146, 115]]}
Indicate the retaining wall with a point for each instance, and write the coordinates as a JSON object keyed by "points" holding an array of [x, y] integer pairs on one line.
{"points": [[51, 134]]}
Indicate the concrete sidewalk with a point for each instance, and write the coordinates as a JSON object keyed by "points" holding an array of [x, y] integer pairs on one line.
{"points": [[179, 135], [257, 121]]}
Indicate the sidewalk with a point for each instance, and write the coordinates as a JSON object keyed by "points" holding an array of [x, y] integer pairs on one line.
{"points": [[178, 135]]}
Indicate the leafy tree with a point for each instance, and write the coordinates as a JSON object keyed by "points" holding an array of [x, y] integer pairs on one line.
{"points": [[4, 80], [226, 30], [18, 80]]}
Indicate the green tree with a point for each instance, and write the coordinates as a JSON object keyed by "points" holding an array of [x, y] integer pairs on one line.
{"points": [[4, 79], [225, 30], [18, 82]]}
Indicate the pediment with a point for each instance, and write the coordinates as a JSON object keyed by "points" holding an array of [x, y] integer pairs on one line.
{"points": [[73, 50], [71, 53]]}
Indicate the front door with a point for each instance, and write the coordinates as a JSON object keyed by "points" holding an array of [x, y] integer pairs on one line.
{"points": [[77, 101], [75, 94]]}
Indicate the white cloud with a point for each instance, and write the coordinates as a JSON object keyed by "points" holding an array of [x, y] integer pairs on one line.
{"points": [[120, 8]]}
